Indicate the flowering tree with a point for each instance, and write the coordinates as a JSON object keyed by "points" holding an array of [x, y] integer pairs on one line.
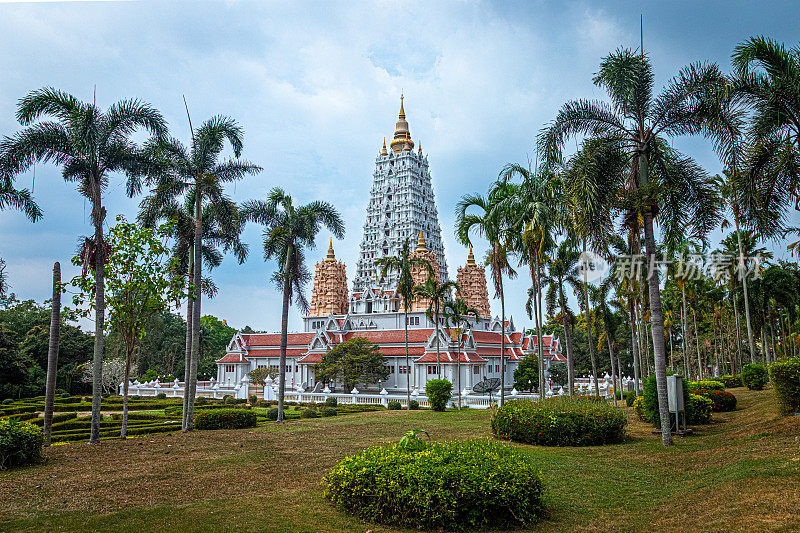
{"points": [[139, 279]]}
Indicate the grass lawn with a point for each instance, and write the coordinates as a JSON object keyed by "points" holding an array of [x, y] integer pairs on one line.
{"points": [[740, 473]]}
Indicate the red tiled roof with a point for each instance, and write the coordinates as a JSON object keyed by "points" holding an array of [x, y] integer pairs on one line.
{"points": [[274, 339], [401, 350], [445, 358], [392, 335], [276, 352], [233, 358]]}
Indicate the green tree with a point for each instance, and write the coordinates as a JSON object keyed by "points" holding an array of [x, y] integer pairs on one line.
{"points": [[402, 264], [661, 180], [437, 293], [354, 361], [558, 373], [90, 145], [288, 230], [526, 376], [197, 172], [562, 273], [459, 315], [140, 284]]}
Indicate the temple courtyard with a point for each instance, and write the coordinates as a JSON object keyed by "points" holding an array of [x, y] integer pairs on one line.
{"points": [[739, 473]]}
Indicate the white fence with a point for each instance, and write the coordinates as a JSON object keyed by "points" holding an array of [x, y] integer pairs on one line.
{"points": [[241, 390]]}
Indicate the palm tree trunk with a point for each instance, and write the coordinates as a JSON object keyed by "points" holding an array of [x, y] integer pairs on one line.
{"points": [[188, 351], [408, 363], [537, 288], [458, 366], [738, 333], [613, 367], [436, 332], [743, 271], [100, 310], [634, 347], [589, 324], [52, 354], [191, 387], [657, 324], [287, 287], [700, 372], [503, 344], [568, 338], [123, 432]]}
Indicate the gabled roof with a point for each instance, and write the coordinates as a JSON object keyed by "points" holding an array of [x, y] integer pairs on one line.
{"points": [[233, 358]]}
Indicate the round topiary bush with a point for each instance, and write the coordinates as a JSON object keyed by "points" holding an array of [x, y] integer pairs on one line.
{"points": [[471, 484], [331, 402], [253, 399], [201, 400], [309, 413], [272, 414], [785, 378], [730, 381], [20, 443], [561, 421], [721, 401], [754, 376], [225, 419], [698, 409], [228, 399], [329, 411], [413, 405], [705, 384], [394, 405], [161, 396], [439, 392], [8, 401]]}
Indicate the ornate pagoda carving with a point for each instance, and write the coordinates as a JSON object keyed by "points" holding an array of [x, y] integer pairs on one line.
{"points": [[329, 294], [420, 274], [471, 280]]}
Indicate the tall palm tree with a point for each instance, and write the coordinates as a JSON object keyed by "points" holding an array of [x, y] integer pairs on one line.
{"points": [[197, 170], [222, 228], [491, 223], [90, 145], [600, 294], [534, 208], [437, 293], [458, 315], [288, 230], [661, 180], [403, 264], [563, 272], [19, 199]]}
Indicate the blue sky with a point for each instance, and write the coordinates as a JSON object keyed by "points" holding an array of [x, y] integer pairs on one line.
{"points": [[316, 87]]}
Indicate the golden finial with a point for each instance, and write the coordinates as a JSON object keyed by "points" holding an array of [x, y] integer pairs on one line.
{"points": [[420, 147], [421, 242], [383, 150], [330, 257], [402, 111], [470, 258], [402, 135]]}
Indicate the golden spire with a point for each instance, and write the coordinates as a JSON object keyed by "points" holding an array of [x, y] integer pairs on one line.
{"points": [[470, 258], [421, 242], [330, 257], [383, 150], [402, 135], [419, 148]]}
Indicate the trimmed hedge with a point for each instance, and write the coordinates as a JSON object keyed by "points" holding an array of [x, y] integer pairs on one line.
{"points": [[329, 411], [469, 484], [698, 409], [413, 405], [561, 421], [17, 409], [21, 416], [331, 401], [785, 378], [638, 408], [225, 419], [394, 405], [629, 396], [114, 432], [754, 376], [309, 413], [61, 417], [20, 443], [705, 384], [439, 392], [721, 401], [731, 382]]}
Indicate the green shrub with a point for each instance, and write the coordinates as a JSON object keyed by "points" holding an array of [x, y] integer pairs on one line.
{"points": [[253, 399], [638, 408], [629, 396], [228, 399], [201, 400], [467, 484], [731, 381], [413, 405], [561, 421], [225, 419], [272, 414], [309, 413], [329, 411], [394, 405], [161, 396], [785, 378], [698, 409], [22, 416], [705, 384], [721, 400], [18, 409], [439, 392], [262, 403], [754, 376], [135, 397], [20, 443], [62, 417], [331, 402], [8, 401]]}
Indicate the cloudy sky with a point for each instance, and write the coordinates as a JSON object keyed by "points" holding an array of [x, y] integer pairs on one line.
{"points": [[316, 87]]}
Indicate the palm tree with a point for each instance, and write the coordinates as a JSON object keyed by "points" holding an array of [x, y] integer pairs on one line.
{"points": [[90, 145], [562, 272], [21, 200], [600, 295], [403, 264], [492, 224], [436, 293], [222, 228], [457, 313], [287, 231], [534, 207], [197, 170], [661, 180]]}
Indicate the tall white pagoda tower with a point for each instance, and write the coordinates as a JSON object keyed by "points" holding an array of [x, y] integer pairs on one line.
{"points": [[401, 204]]}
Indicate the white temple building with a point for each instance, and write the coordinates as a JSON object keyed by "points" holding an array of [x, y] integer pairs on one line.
{"points": [[401, 206]]}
